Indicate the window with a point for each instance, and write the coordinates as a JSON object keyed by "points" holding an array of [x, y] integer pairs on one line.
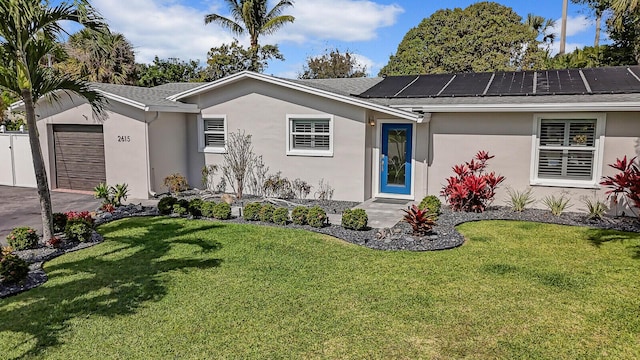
{"points": [[213, 133], [310, 135], [567, 150]]}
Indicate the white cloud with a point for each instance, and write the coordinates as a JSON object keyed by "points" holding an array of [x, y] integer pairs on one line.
{"points": [[343, 20], [569, 47], [166, 29], [575, 25]]}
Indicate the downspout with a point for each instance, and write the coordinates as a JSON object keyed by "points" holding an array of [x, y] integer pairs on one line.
{"points": [[426, 119], [146, 142]]}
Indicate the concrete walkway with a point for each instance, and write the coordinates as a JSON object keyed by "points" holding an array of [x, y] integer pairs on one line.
{"points": [[384, 213]]}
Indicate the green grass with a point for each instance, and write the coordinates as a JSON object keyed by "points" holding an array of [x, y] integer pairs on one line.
{"points": [[162, 288]]}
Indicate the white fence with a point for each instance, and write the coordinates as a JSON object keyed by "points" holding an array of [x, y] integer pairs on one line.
{"points": [[16, 164]]}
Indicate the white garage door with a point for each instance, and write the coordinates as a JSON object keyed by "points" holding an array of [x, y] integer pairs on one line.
{"points": [[16, 164]]}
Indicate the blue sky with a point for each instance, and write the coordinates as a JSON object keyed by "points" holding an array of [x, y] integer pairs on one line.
{"points": [[372, 29]]}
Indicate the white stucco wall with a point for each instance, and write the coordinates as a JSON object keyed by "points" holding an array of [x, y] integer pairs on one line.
{"points": [[167, 148], [456, 138], [261, 110], [125, 161]]}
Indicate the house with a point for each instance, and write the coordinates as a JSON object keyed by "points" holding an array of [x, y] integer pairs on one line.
{"points": [[393, 137]]}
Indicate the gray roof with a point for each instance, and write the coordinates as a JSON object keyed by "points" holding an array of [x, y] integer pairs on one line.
{"points": [[176, 88], [345, 86], [151, 97]]}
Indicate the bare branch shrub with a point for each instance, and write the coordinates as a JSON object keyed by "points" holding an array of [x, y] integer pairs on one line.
{"points": [[324, 192], [238, 161]]}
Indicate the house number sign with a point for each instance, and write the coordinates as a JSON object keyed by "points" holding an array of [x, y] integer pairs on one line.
{"points": [[124, 138]]}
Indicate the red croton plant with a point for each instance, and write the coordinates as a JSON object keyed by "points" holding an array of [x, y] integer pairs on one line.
{"points": [[472, 188], [626, 183]]}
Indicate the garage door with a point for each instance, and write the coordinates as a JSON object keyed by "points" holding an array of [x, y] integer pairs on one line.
{"points": [[79, 151]]}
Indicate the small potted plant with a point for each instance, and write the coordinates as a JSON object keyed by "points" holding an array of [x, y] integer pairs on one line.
{"points": [[580, 140]]}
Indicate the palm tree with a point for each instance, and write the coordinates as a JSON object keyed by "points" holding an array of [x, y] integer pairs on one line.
{"points": [[540, 25], [252, 17], [28, 32], [100, 56]]}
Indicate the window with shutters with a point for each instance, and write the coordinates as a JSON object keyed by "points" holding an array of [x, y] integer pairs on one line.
{"points": [[567, 149], [310, 135], [213, 133]]}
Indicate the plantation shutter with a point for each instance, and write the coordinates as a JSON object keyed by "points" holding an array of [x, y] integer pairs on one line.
{"points": [[310, 134], [214, 134], [566, 149]]}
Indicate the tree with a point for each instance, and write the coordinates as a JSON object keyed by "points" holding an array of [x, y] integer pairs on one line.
{"points": [[590, 56], [253, 18], [163, 71], [230, 59], [28, 32], [541, 26], [563, 26], [485, 36], [100, 56], [333, 65]]}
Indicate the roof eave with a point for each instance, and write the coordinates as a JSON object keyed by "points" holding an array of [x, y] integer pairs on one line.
{"points": [[303, 88]]}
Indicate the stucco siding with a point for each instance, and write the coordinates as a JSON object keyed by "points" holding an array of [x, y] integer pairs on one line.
{"points": [[125, 158], [167, 148], [457, 137], [261, 110]]}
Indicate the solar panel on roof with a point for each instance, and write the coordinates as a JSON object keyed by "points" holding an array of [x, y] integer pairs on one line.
{"points": [[512, 83], [559, 82], [469, 84], [426, 86], [389, 86], [611, 80]]}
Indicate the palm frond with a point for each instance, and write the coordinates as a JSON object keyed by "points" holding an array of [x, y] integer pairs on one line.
{"points": [[224, 22], [52, 87], [276, 23], [278, 9]]}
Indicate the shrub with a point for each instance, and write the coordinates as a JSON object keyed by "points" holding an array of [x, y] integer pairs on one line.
{"points": [[111, 195], [431, 204], [419, 219], [595, 208], [625, 184], [222, 211], [281, 216], [195, 207], [181, 207], [12, 268], [176, 183], [78, 229], [22, 238], [59, 222], [120, 193], [278, 186], [301, 188], [165, 205], [317, 217], [266, 213], [299, 215], [207, 208], [355, 219], [208, 172], [519, 200], [251, 211], [557, 205], [472, 189], [108, 208], [54, 242], [324, 192], [80, 215]]}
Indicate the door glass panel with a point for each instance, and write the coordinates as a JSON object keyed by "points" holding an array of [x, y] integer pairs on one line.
{"points": [[396, 152]]}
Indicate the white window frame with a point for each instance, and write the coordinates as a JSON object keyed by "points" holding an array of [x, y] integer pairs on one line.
{"points": [[599, 139], [308, 152], [201, 134]]}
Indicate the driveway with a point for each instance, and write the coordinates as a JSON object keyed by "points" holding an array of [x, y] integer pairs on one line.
{"points": [[20, 207]]}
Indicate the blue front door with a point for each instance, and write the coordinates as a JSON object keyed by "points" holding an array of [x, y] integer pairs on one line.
{"points": [[395, 165]]}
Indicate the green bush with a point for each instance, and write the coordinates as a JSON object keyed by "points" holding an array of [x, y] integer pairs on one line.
{"points": [[431, 204], [317, 217], [179, 209], [165, 205], [222, 211], [59, 222], [266, 213], [22, 238], [78, 230], [355, 219], [251, 211], [195, 207], [281, 216], [299, 215], [12, 268], [207, 208]]}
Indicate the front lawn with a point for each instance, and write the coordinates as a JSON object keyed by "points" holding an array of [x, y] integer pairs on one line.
{"points": [[162, 288]]}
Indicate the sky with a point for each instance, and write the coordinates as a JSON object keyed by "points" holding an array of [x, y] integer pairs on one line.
{"points": [[370, 29]]}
